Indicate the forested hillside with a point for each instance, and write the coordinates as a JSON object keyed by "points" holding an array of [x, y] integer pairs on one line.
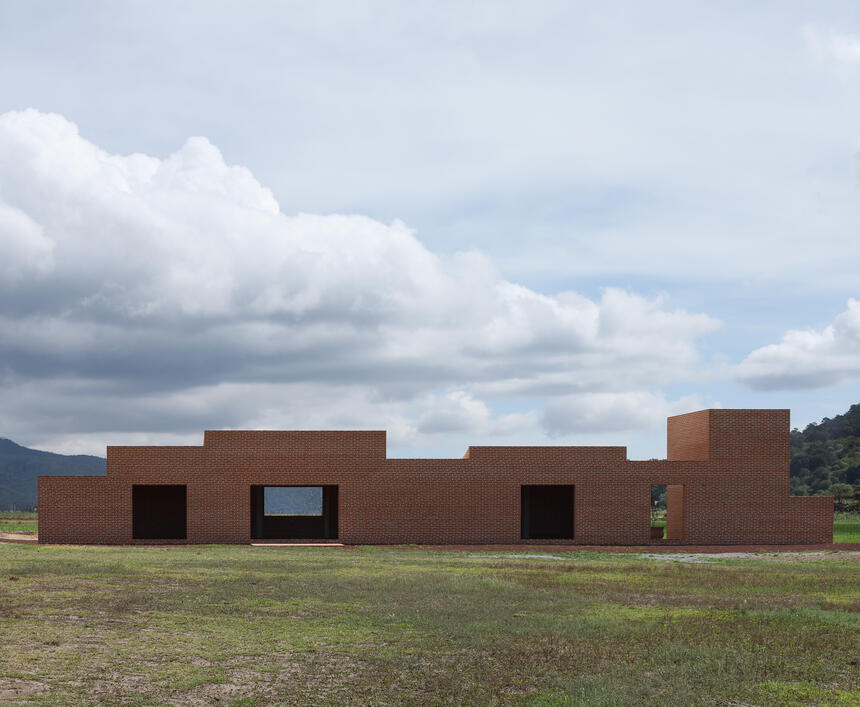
{"points": [[825, 458]]}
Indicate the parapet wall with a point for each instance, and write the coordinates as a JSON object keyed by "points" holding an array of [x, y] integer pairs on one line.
{"points": [[549, 455], [309, 442], [755, 440], [688, 437]]}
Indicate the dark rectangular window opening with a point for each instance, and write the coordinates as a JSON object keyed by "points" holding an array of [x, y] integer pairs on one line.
{"points": [[294, 512], [667, 512], [546, 512], [158, 512]]}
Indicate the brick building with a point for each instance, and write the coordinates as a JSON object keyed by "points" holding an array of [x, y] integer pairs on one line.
{"points": [[725, 481]]}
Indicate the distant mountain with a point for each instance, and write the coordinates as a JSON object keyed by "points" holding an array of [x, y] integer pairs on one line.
{"points": [[20, 468], [826, 454]]}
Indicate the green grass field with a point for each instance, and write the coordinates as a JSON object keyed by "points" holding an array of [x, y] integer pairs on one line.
{"points": [[244, 625], [846, 526], [846, 531], [18, 522]]}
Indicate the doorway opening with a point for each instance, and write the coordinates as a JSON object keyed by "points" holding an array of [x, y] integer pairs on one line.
{"points": [[667, 512], [294, 512], [546, 512], [158, 512]]}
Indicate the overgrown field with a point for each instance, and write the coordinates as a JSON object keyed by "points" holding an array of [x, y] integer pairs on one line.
{"points": [[244, 625], [18, 522]]}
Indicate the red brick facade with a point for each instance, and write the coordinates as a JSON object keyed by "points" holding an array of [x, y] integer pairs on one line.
{"points": [[727, 479]]}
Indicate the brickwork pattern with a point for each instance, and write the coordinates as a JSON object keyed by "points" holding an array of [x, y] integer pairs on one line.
{"points": [[688, 436], [732, 466], [674, 512]]}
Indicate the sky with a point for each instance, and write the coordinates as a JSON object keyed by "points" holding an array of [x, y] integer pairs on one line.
{"points": [[462, 223]]}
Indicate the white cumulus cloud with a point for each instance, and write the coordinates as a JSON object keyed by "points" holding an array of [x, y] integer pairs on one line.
{"points": [[614, 412], [808, 358], [167, 295]]}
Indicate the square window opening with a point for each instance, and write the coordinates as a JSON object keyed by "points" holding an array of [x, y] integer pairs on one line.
{"points": [[293, 500]]}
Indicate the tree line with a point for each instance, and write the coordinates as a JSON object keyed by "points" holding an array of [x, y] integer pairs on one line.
{"points": [[825, 459]]}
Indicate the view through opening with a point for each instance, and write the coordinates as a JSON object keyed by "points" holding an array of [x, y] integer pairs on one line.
{"points": [[293, 500], [667, 512], [294, 512], [658, 511]]}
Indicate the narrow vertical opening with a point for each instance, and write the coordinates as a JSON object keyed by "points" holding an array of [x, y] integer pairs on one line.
{"points": [[667, 512], [294, 512], [658, 511]]}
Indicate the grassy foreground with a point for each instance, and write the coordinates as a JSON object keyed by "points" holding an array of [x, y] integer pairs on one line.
{"points": [[846, 526], [243, 625]]}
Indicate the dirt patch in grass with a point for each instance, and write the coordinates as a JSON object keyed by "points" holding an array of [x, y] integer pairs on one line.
{"points": [[14, 689], [699, 557], [19, 537]]}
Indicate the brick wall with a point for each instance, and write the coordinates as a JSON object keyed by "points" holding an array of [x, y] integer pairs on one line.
{"points": [[83, 509], [352, 443], [731, 467], [752, 439], [688, 436], [675, 525]]}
